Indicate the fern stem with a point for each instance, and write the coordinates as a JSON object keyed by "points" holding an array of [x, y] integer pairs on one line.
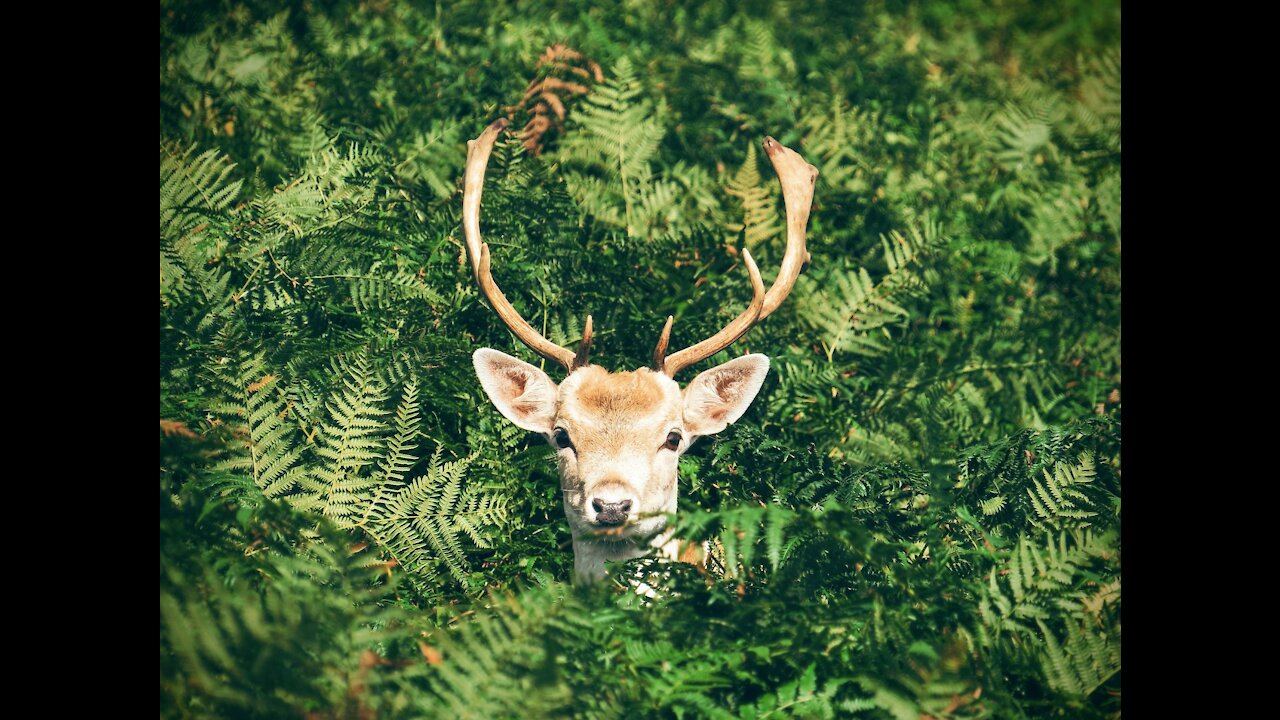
{"points": [[913, 384], [342, 219], [626, 194], [240, 293], [275, 262]]}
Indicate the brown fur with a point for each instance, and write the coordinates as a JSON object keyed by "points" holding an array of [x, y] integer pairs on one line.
{"points": [[615, 415], [691, 552], [620, 394]]}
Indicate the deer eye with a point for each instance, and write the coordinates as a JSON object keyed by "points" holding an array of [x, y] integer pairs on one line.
{"points": [[561, 436], [673, 441]]}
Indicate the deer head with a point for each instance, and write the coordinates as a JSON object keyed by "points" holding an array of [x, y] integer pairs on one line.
{"points": [[618, 435]]}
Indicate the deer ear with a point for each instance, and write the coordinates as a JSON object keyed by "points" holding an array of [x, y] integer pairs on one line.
{"points": [[719, 396], [520, 391]]}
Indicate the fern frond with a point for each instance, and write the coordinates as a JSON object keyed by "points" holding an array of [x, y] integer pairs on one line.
{"points": [[487, 660], [1096, 130], [1023, 136], [608, 151], [837, 140], [740, 532], [546, 98], [759, 212], [422, 523], [850, 311], [399, 458], [270, 454], [377, 288], [195, 193], [348, 442], [192, 187], [1057, 498], [1082, 662], [1037, 578]]}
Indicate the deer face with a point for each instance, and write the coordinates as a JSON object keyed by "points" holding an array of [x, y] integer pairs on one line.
{"points": [[618, 436]]}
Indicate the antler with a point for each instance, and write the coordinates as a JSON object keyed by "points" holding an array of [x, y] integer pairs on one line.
{"points": [[797, 178], [478, 152]]}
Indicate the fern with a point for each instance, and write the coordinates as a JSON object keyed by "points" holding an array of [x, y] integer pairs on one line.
{"points": [[193, 187], [1045, 481], [276, 625], [422, 524], [195, 190], [377, 288], [1057, 500], [851, 312], [837, 140], [1037, 578], [330, 191], [760, 62], [1108, 195], [800, 697], [739, 534], [348, 444], [846, 324], [399, 458], [759, 214], [1096, 127], [482, 660], [269, 454], [419, 522], [992, 505], [546, 98], [430, 155], [359, 476], [612, 141], [1024, 136], [1082, 662]]}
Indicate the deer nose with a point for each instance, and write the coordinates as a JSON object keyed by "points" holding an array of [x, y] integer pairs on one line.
{"points": [[611, 513]]}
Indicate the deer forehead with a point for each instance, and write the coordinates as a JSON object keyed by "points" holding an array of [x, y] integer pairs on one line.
{"points": [[610, 406]]}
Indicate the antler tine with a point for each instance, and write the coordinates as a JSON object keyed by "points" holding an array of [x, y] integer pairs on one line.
{"points": [[727, 336], [660, 352], [584, 347], [478, 152], [797, 178]]}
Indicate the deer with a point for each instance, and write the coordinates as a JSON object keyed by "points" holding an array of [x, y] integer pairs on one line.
{"points": [[618, 436]]}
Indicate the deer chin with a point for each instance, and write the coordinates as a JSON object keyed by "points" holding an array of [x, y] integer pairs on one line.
{"points": [[593, 548], [639, 530]]}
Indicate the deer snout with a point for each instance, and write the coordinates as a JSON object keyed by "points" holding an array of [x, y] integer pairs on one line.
{"points": [[611, 513]]}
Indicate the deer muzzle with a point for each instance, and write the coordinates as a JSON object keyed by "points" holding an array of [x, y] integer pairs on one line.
{"points": [[611, 513]]}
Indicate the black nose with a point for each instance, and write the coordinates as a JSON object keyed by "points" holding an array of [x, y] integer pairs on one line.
{"points": [[611, 513]]}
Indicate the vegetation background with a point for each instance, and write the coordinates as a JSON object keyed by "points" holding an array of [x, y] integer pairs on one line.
{"points": [[920, 514]]}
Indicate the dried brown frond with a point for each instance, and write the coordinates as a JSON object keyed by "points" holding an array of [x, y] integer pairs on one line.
{"points": [[546, 99]]}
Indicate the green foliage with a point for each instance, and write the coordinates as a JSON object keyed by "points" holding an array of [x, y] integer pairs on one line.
{"points": [[267, 457], [759, 212], [608, 155], [920, 515], [849, 311], [347, 445], [487, 663]]}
